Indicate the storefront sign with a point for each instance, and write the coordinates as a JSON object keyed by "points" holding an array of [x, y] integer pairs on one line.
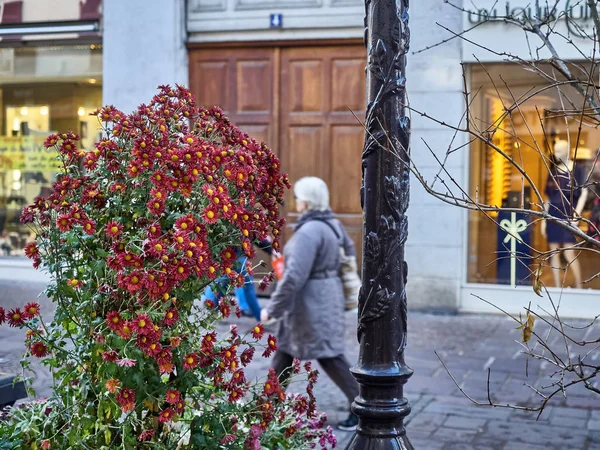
{"points": [[575, 13], [27, 153], [567, 19]]}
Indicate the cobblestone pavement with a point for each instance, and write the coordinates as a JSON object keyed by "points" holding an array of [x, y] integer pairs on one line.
{"points": [[441, 417]]}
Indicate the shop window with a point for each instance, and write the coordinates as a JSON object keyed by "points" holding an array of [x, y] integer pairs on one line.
{"points": [[532, 135], [40, 95]]}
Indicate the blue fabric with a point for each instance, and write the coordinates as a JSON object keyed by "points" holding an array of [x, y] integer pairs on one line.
{"points": [[560, 207], [246, 295]]}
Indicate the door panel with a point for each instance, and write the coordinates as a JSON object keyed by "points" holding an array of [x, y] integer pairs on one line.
{"points": [[242, 82], [305, 157], [321, 88], [346, 142], [305, 86], [301, 101], [253, 81], [211, 88], [346, 93]]}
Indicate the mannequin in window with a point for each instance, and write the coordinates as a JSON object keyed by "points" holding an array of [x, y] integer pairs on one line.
{"points": [[565, 199]]}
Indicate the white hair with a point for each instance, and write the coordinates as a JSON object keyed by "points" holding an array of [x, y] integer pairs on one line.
{"points": [[314, 192]]}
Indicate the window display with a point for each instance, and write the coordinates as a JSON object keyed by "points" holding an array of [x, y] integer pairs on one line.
{"points": [[43, 90], [561, 159]]}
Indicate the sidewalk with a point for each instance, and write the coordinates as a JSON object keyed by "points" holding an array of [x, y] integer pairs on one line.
{"points": [[441, 417]]}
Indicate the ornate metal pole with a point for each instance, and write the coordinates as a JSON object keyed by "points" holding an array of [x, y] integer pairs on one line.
{"points": [[381, 371]]}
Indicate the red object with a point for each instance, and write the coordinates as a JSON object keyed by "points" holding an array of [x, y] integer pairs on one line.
{"points": [[89, 9], [12, 12], [277, 264]]}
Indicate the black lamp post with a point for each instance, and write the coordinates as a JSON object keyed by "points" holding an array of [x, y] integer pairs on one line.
{"points": [[381, 371]]}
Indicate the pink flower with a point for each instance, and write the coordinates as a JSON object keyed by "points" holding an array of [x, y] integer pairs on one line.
{"points": [[126, 362]]}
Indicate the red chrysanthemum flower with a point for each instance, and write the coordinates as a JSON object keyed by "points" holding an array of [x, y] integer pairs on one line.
{"points": [[154, 230], [212, 271], [126, 398], [126, 331], [133, 170], [248, 248], [271, 386], [185, 223], [113, 229], [158, 194], [229, 256], [133, 282], [16, 318], [166, 415], [110, 356], [156, 248], [171, 317], [208, 342], [89, 227], [172, 396], [209, 304], [271, 346], [235, 395], [156, 207], [143, 341], [210, 214], [180, 406], [2, 315], [74, 283], [117, 187], [142, 324], [145, 435], [180, 272], [31, 250], [246, 356], [29, 334], [90, 160], [191, 361], [27, 215], [63, 222], [130, 259], [158, 179], [30, 310], [114, 320], [166, 367], [39, 349], [238, 377], [109, 113], [258, 331], [51, 140]]}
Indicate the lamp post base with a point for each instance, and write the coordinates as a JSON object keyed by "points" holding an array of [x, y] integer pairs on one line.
{"points": [[361, 442]]}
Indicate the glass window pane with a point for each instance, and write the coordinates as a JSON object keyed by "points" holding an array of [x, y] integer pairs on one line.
{"points": [[532, 135], [42, 90]]}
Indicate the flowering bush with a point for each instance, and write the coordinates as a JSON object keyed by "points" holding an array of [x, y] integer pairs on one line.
{"points": [[133, 232]]}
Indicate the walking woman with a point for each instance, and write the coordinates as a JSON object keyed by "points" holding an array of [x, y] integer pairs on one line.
{"points": [[309, 299]]}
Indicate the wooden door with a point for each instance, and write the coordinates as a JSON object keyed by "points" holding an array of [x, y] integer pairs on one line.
{"points": [[321, 88], [243, 82], [300, 101]]}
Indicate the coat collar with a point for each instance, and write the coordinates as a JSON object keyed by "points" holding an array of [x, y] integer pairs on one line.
{"points": [[313, 215]]}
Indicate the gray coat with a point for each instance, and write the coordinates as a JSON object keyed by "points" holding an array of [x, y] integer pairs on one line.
{"points": [[309, 299]]}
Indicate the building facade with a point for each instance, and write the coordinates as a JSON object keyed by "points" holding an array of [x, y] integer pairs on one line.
{"points": [[291, 73], [50, 80]]}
